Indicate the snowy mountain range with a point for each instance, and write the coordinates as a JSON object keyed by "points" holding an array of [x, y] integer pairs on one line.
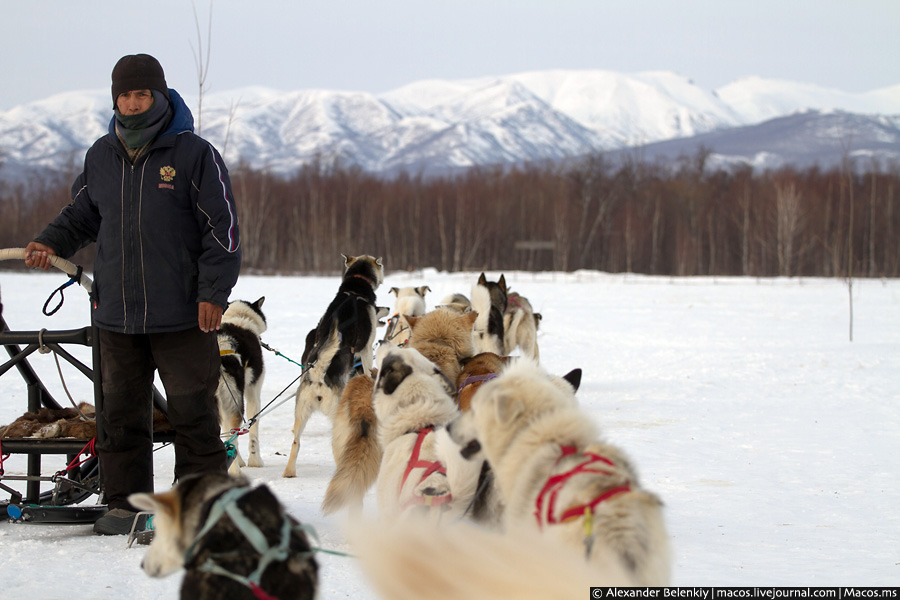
{"points": [[433, 126]]}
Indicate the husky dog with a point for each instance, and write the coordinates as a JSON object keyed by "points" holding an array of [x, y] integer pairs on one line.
{"points": [[520, 325], [489, 300], [345, 333], [233, 540], [458, 303], [357, 452], [320, 388], [241, 376], [405, 561], [476, 370], [413, 402], [410, 302], [354, 310], [556, 477], [443, 337]]}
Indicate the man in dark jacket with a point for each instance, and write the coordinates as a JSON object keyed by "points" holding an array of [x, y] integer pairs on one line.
{"points": [[157, 200]]}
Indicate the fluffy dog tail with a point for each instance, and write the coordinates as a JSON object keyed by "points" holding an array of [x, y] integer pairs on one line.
{"points": [[406, 561], [359, 456]]}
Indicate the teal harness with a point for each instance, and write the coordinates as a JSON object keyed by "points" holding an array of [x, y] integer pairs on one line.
{"points": [[226, 504]]}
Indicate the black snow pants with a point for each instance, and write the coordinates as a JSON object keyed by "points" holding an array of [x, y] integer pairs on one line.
{"points": [[188, 365]]}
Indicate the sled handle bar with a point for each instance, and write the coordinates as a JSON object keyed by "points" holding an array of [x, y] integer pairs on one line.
{"points": [[70, 269]]}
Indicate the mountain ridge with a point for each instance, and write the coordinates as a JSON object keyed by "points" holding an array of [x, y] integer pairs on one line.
{"points": [[434, 126]]}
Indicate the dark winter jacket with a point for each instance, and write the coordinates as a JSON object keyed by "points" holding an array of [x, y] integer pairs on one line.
{"points": [[166, 228]]}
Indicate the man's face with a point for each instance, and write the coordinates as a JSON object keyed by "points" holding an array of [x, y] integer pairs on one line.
{"points": [[134, 102]]}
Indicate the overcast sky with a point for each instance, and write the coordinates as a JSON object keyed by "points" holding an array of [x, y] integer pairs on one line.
{"points": [[52, 46]]}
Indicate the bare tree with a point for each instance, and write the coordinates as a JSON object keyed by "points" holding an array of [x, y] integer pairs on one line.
{"points": [[787, 219], [201, 64]]}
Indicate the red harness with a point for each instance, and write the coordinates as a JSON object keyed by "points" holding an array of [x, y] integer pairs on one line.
{"points": [[430, 466], [556, 482]]}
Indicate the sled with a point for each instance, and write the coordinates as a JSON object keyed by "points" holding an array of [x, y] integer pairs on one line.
{"points": [[80, 480]]}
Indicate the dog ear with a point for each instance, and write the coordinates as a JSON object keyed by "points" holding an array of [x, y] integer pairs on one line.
{"points": [[259, 302], [166, 502], [395, 291], [482, 280], [502, 283], [507, 408], [574, 378], [471, 317], [411, 321], [378, 262], [348, 260], [422, 289]]}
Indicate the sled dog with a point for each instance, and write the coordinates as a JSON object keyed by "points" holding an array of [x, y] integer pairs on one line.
{"points": [[489, 300], [412, 403], [405, 561], [345, 333], [443, 337], [241, 376], [474, 371], [320, 387], [458, 303], [233, 541], [520, 326], [556, 477], [354, 310], [410, 302], [357, 452]]}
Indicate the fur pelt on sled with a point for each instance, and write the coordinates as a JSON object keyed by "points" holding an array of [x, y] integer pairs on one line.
{"points": [[65, 423]]}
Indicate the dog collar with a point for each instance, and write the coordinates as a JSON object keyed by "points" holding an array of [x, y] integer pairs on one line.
{"points": [[364, 278], [556, 482], [476, 379]]}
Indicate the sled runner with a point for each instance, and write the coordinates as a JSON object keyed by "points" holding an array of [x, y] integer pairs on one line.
{"points": [[80, 479]]}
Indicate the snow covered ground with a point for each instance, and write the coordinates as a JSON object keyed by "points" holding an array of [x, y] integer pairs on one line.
{"points": [[772, 438]]}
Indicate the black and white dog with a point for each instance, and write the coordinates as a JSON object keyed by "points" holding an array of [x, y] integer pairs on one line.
{"points": [[489, 300], [344, 336], [233, 540], [241, 377]]}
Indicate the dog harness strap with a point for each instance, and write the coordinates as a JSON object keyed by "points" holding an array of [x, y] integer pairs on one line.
{"points": [[555, 483], [430, 466], [226, 504], [582, 510], [475, 379]]}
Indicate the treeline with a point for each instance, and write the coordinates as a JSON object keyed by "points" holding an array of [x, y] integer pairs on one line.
{"points": [[627, 216]]}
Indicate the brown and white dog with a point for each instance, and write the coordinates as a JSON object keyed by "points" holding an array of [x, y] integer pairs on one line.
{"points": [[357, 451], [445, 338]]}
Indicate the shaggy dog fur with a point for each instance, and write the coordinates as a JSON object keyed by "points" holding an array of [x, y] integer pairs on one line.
{"points": [[418, 473], [357, 452], [405, 561], [556, 477], [444, 338]]}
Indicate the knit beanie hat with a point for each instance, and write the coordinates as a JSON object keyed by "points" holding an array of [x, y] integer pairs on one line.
{"points": [[138, 72]]}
